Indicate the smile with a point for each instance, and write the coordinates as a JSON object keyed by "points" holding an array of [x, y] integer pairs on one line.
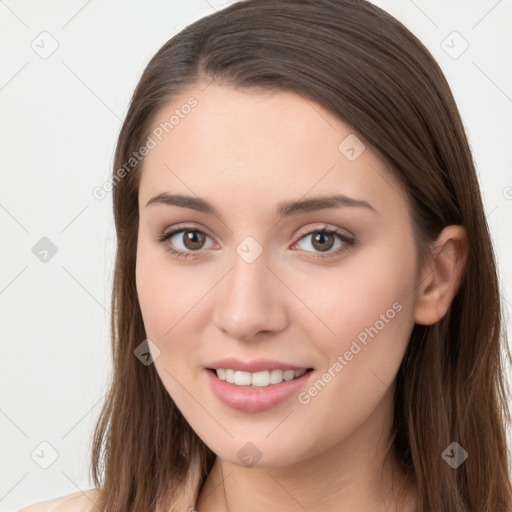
{"points": [[258, 379], [258, 391]]}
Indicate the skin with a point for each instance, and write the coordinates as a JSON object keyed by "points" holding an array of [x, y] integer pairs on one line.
{"points": [[245, 151]]}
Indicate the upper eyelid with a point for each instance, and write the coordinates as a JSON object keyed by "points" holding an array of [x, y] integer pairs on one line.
{"points": [[326, 227], [187, 227], [306, 231]]}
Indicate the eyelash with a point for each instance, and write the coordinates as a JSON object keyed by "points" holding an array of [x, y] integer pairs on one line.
{"points": [[348, 241]]}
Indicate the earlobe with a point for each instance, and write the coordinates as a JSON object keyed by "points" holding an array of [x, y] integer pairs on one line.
{"points": [[442, 278]]}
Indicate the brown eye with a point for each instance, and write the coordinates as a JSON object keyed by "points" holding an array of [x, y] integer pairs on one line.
{"points": [[323, 241], [185, 242], [193, 240]]}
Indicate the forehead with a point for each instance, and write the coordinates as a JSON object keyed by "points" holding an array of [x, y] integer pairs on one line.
{"points": [[252, 145], [249, 120]]}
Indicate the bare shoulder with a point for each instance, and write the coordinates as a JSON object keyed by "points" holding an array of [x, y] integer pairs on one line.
{"points": [[81, 501]]}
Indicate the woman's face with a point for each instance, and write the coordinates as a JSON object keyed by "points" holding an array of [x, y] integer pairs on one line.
{"points": [[257, 281]]}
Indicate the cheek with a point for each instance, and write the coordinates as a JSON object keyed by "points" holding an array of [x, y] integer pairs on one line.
{"points": [[360, 361], [362, 295], [171, 302], [369, 309], [167, 296], [154, 302], [165, 311]]}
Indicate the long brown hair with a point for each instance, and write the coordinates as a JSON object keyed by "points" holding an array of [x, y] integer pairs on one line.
{"points": [[365, 67]]}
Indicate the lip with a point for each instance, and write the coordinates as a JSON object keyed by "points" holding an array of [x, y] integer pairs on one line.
{"points": [[257, 399], [258, 365]]}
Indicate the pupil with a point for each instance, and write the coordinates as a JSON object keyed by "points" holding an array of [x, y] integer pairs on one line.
{"points": [[193, 239], [319, 238]]}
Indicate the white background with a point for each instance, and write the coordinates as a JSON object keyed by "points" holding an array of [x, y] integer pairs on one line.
{"points": [[59, 120]]}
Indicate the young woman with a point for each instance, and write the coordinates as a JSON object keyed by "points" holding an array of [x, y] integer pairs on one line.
{"points": [[306, 311]]}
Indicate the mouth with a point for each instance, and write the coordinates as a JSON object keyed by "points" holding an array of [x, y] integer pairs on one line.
{"points": [[259, 391], [261, 379], [255, 385]]}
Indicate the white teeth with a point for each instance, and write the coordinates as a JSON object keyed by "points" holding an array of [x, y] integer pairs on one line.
{"points": [[288, 375], [242, 378], [258, 379], [276, 376]]}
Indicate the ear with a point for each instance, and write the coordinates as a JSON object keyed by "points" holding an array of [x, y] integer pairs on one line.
{"points": [[442, 276]]}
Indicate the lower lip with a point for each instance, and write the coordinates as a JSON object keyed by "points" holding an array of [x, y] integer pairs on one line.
{"points": [[258, 398]]}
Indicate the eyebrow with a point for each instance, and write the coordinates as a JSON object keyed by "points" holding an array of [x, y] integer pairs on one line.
{"points": [[283, 209]]}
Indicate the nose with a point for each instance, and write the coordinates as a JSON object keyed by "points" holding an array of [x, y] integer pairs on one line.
{"points": [[249, 300]]}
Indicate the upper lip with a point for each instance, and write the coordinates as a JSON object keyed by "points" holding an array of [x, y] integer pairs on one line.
{"points": [[256, 365]]}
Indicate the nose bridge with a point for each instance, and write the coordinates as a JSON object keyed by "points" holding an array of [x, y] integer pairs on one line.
{"points": [[249, 299]]}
